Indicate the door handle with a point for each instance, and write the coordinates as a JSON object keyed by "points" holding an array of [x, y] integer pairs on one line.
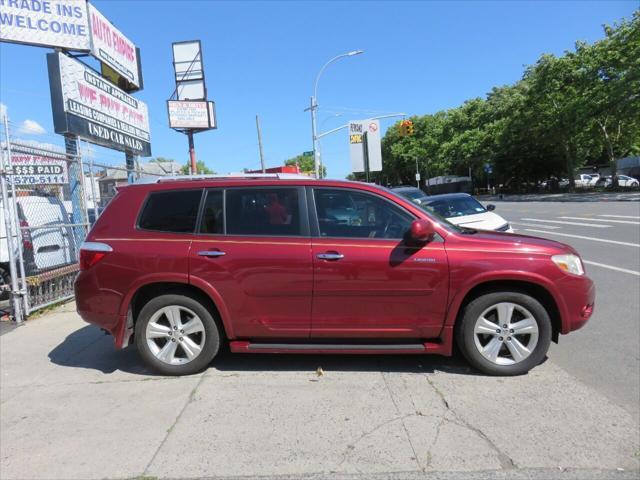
{"points": [[330, 256], [211, 253]]}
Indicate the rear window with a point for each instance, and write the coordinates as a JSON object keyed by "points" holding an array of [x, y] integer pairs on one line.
{"points": [[174, 211]]}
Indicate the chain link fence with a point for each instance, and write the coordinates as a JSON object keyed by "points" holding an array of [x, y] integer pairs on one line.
{"points": [[50, 199]]}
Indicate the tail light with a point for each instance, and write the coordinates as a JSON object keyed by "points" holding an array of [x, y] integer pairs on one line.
{"points": [[27, 243], [93, 252]]}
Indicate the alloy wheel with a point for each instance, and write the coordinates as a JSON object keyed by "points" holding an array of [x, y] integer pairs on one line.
{"points": [[175, 335], [506, 333]]}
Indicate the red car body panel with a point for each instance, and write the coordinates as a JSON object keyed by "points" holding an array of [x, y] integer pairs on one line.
{"points": [[276, 287]]}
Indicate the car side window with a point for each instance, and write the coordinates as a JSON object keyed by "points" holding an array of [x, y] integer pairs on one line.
{"points": [[263, 211], [212, 213], [171, 211], [344, 213]]}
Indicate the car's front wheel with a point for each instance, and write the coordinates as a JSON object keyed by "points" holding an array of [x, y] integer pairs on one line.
{"points": [[176, 335], [504, 333]]}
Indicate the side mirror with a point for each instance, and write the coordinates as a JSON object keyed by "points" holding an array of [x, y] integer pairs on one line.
{"points": [[422, 230], [491, 207]]}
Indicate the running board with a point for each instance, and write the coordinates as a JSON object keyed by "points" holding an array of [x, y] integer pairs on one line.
{"points": [[440, 346], [331, 346]]}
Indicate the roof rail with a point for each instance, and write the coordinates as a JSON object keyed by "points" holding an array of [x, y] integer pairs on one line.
{"points": [[244, 176]]}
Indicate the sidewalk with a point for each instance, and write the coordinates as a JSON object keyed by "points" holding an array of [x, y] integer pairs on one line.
{"points": [[565, 197], [74, 408]]}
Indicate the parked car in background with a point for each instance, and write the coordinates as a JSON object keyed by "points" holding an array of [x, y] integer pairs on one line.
{"points": [[412, 193], [623, 181], [180, 266], [459, 208], [583, 180]]}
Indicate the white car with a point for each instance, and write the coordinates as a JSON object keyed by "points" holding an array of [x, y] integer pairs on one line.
{"points": [[623, 181], [458, 208]]}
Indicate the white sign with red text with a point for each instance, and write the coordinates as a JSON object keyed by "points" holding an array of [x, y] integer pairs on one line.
{"points": [[88, 106], [110, 46], [37, 170], [191, 115]]}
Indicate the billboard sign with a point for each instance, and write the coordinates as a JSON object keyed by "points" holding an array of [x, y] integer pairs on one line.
{"points": [[115, 50], [86, 105], [189, 71], [37, 170], [357, 130], [191, 115], [47, 23]]}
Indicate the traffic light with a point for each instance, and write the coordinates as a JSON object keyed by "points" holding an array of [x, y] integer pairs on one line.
{"points": [[406, 128]]}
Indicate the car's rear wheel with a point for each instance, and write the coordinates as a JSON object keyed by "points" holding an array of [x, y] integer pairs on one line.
{"points": [[504, 333], [176, 335]]}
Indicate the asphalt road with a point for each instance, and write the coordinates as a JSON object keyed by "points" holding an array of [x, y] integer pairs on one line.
{"points": [[605, 354]]}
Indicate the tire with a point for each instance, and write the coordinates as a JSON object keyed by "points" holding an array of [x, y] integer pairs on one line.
{"points": [[501, 353], [165, 346]]}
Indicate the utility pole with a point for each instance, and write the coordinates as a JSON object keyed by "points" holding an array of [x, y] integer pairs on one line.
{"points": [[260, 143]]}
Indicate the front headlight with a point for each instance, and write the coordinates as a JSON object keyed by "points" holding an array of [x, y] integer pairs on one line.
{"points": [[569, 263]]}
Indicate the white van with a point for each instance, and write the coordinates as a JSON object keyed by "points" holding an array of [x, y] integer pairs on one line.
{"points": [[49, 243]]}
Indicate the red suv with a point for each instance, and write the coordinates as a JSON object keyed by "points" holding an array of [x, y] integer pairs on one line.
{"points": [[281, 264]]}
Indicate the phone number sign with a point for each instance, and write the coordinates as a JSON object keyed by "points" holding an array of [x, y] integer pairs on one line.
{"points": [[35, 170]]}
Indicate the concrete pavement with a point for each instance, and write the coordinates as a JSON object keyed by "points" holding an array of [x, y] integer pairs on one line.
{"points": [[72, 407], [605, 354]]}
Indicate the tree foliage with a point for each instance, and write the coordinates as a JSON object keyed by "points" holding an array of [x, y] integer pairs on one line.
{"points": [[200, 167], [306, 165], [582, 108]]}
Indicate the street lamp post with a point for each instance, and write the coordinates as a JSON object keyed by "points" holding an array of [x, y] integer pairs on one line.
{"points": [[314, 107]]}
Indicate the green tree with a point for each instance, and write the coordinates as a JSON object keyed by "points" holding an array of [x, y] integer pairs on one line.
{"points": [[306, 165], [200, 167]]}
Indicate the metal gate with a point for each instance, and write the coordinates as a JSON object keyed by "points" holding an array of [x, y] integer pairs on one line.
{"points": [[49, 201]]}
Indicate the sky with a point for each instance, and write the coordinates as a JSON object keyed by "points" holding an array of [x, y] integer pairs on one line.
{"points": [[261, 58]]}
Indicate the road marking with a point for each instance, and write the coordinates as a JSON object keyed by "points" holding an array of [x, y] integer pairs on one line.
{"points": [[593, 225], [620, 216], [627, 244], [611, 267], [629, 222], [552, 227]]}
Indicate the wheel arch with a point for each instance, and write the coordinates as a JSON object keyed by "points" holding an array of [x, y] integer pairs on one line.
{"points": [[533, 289], [151, 290]]}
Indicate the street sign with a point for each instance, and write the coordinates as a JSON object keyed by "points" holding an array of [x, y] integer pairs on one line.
{"points": [[357, 130], [307, 154], [417, 177]]}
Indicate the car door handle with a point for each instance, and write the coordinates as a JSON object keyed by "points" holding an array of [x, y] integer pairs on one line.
{"points": [[330, 256], [211, 253]]}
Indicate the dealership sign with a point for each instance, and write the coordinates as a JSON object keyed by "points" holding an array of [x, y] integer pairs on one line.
{"points": [[37, 170], [86, 105], [112, 48], [49, 23], [191, 115]]}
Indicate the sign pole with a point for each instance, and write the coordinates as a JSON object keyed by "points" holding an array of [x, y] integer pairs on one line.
{"points": [[365, 154], [75, 189], [129, 159], [192, 153]]}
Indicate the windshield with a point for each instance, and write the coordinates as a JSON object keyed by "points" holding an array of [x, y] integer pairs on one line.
{"points": [[456, 207], [414, 194]]}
